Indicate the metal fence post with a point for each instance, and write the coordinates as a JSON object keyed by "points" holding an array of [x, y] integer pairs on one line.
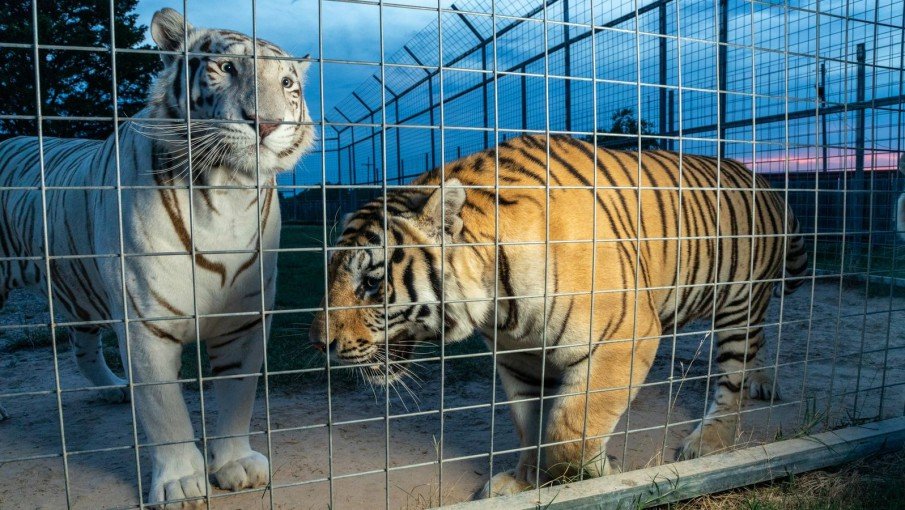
{"points": [[567, 62], [671, 117], [524, 84], [820, 106], [662, 123], [856, 187], [722, 55]]}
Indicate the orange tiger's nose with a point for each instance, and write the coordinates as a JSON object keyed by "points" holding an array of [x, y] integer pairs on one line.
{"points": [[324, 347]]}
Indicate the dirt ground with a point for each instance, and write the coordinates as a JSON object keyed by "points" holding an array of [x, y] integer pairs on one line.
{"points": [[841, 361]]}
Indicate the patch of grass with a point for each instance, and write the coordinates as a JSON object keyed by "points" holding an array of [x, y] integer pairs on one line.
{"points": [[471, 368], [300, 285], [873, 483]]}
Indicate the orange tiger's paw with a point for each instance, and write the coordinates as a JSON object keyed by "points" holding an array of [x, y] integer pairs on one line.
{"points": [[504, 484], [711, 437], [566, 461]]}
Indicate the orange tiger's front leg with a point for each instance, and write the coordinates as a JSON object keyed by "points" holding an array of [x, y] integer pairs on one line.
{"points": [[595, 398]]}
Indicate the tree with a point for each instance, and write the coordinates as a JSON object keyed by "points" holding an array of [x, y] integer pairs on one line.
{"points": [[74, 82], [624, 123]]}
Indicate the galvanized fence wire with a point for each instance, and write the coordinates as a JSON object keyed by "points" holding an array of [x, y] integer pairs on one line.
{"points": [[440, 98]]}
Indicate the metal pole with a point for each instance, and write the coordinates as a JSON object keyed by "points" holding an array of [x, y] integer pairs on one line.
{"points": [[398, 147], [820, 105], [374, 177], [352, 172], [339, 158], [721, 86], [485, 99], [430, 95], [856, 190], [524, 80], [567, 61], [859, 126], [294, 195], [672, 117], [661, 12]]}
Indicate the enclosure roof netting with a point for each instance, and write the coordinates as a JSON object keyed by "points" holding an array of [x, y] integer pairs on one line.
{"points": [[463, 35]]}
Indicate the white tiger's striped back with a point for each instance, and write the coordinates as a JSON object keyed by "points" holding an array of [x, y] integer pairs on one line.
{"points": [[167, 243], [67, 177]]}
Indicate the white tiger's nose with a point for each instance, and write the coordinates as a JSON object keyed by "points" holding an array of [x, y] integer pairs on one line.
{"points": [[265, 126]]}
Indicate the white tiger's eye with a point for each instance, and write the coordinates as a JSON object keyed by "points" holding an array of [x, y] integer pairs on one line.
{"points": [[228, 67], [287, 83]]}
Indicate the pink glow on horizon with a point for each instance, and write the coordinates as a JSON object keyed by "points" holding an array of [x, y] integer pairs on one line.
{"points": [[811, 160]]}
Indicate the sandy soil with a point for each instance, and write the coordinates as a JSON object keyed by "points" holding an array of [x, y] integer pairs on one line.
{"points": [[841, 361]]}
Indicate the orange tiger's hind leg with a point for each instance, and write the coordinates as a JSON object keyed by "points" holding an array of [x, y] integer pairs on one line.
{"points": [[627, 336], [739, 340], [520, 375]]}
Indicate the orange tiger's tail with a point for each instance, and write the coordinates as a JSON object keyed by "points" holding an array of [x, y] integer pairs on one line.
{"points": [[796, 264]]}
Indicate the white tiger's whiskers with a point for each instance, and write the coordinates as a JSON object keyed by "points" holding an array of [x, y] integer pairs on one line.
{"points": [[205, 152], [206, 148]]}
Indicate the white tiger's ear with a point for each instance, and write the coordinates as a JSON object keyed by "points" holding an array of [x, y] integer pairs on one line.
{"points": [[444, 207], [168, 31]]}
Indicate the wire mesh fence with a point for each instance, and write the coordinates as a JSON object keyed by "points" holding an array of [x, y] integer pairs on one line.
{"points": [[226, 208]]}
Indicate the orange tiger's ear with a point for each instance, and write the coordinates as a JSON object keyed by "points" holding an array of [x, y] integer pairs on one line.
{"points": [[444, 207]]}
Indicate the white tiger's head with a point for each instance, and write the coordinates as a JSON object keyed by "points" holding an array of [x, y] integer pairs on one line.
{"points": [[224, 90]]}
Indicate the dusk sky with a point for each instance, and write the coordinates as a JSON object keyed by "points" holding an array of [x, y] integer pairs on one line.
{"points": [[781, 82], [351, 32]]}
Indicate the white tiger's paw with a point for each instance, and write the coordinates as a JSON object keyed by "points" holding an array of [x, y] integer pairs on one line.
{"points": [[166, 494], [115, 395], [504, 484], [246, 472], [761, 387]]}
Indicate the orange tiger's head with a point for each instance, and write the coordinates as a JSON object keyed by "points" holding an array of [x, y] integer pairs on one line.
{"points": [[385, 280]]}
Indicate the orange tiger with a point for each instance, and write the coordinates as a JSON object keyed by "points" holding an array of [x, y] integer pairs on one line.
{"points": [[677, 238]]}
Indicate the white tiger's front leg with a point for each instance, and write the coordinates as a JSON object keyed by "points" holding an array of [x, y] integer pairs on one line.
{"points": [[232, 461], [177, 465]]}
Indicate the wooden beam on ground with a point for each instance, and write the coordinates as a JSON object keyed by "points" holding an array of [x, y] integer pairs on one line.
{"points": [[716, 473]]}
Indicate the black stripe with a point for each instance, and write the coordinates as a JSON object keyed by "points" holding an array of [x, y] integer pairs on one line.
{"points": [[527, 378], [177, 82]]}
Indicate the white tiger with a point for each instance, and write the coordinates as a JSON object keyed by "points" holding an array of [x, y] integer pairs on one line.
{"points": [[163, 226]]}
